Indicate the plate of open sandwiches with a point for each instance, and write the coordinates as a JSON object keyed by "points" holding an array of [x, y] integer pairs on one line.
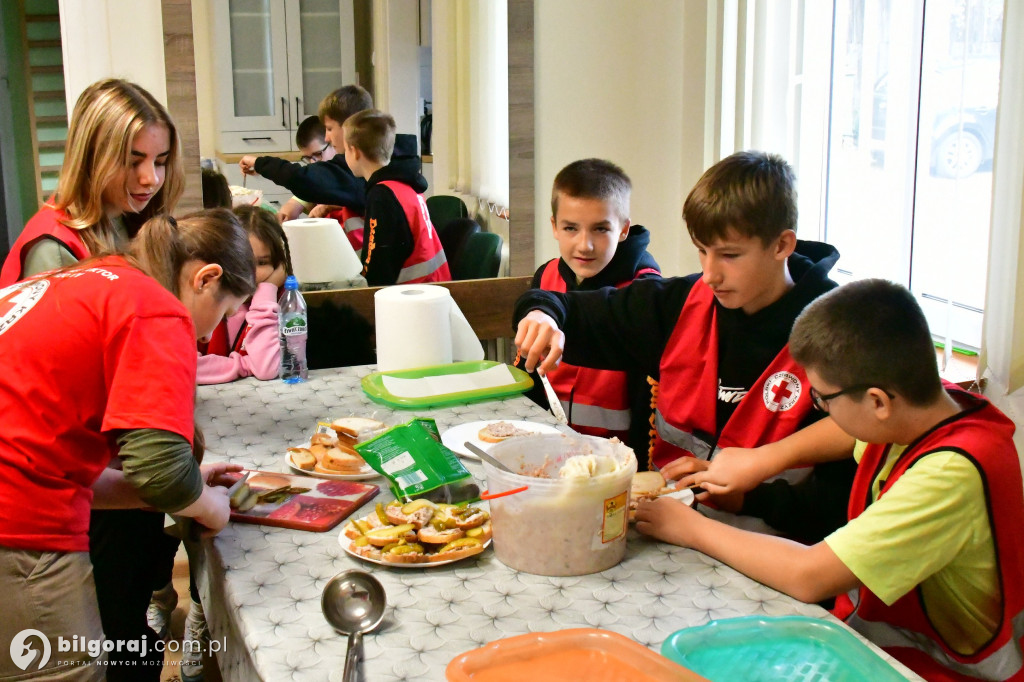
{"points": [[417, 534], [330, 453], [484, 434]]}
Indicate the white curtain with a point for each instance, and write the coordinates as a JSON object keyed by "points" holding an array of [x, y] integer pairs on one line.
{"points": [[470, 126]]}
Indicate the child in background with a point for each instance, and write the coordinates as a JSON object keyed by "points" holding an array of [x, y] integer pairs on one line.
{"points": [[330, 182], [248, 343], [716, 341], [122, 166], [598, 248], [402, 246], [216, 191], [932, 550], [311, 139]]}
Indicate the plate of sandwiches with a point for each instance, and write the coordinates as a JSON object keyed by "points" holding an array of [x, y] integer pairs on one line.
{"points": [[484, 434], [417, 534], [648, 485], [330, 453]]}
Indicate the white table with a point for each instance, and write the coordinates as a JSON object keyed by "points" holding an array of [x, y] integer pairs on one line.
{"points": [[261, 586]]}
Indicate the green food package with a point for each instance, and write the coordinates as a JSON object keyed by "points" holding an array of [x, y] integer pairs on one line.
{"points": [[417, 465]]}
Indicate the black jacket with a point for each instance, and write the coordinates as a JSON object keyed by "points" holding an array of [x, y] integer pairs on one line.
{"points": [[628, 329], [329, 182], [386, 223], [630, 257]]}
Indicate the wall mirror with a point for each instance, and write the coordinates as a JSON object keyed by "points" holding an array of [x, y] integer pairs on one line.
{"points": [[188, 62]]}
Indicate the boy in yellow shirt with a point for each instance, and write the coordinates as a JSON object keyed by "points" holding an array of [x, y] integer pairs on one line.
{"points": [[930, 556]]}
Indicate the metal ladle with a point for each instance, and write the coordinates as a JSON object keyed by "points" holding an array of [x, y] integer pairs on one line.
{"points": [[353, 603]]}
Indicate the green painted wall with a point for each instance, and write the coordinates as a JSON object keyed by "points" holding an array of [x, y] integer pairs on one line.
{"points": [[24, 183]]}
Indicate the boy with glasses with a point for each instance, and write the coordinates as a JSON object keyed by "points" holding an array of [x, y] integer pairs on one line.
{"points": [[311, 141], [716, 341], [931, 557]]}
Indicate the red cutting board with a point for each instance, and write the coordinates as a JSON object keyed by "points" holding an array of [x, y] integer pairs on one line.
{"points": [[320, 509]]}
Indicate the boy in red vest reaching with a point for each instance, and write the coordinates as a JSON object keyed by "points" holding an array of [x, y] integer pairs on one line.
{"points": [[931, 557], [716, 341], [598, 248], [400, 244]]}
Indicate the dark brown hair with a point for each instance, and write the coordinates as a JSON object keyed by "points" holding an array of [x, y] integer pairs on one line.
{"points": [[871, 332], [593, 179], [753, 193], [373, 133], [264, 226], [216, 192], [163, 247], [344, 102], [311, 128]]}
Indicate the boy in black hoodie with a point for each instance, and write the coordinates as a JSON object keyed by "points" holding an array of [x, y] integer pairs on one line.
{"points": [[598, 248], [400, 244], [716, 341], [330, 182]]}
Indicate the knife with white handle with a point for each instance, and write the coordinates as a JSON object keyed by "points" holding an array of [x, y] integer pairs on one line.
{"points": [[553, 401]]}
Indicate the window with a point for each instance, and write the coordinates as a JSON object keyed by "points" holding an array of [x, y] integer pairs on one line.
{"points": [[886, 109]]}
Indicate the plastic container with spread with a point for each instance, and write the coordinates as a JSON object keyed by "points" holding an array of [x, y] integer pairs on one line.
{"points": [[559, 526]]}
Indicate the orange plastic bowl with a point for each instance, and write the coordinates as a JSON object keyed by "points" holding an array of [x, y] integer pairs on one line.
{"points": [[569, 655]]}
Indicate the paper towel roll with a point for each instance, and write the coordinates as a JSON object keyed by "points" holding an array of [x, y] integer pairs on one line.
{"points": [[320, 251], [420, 325]]}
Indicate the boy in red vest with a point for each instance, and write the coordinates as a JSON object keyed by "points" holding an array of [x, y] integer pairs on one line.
{"points": [[598, 248], [400, 244], [931, 556], [716, 341]]}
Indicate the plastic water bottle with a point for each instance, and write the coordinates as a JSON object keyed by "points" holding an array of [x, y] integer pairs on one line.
{"points": [[292, 322]]}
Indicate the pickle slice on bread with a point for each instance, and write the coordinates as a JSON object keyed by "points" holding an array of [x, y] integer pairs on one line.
{"points": [[419, 532]]}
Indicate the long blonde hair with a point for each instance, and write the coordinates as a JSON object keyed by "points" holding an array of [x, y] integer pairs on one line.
{"points": [[107, 117], [163, 246]]}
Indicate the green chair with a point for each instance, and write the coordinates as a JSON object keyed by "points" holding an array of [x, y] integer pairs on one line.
{"points": [[480, 258], [444, 208]]}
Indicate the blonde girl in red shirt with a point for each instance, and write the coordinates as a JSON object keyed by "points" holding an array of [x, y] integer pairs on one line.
{"points": [[122, 166]]}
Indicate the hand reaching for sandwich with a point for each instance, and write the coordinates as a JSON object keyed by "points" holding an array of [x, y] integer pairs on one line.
{"points": [[539, 341]]}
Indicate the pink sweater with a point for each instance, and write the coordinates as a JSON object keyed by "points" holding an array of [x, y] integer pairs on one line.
{"points": [[262, 345]]}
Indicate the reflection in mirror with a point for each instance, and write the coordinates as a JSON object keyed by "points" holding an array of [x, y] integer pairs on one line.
{"points": [[453, 55]]}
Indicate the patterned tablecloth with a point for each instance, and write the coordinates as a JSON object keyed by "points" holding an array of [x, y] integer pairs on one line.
{"points": [[261, 586]]}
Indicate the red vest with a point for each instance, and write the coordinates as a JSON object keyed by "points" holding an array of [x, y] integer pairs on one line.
{"points": [[985, 436], [220, 343], [774, 407], [352, 223], [45, 224], [427, 262], [595, 400]]}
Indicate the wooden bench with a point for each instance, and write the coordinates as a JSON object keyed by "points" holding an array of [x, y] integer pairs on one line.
{"points": [[487, 304]]}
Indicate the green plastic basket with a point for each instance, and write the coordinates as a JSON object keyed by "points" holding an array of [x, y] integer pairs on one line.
{"points": [[767, 649]]}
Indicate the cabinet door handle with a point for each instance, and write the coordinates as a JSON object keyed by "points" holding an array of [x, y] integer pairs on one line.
{"points": [[298, 116], [254, 139], [284, 112]]}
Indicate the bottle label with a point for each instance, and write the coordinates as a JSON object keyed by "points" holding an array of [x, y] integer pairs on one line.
{"points": [[294, 326]]}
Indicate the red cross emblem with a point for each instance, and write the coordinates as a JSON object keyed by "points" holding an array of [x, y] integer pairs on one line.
{"points": [[780, 391]]}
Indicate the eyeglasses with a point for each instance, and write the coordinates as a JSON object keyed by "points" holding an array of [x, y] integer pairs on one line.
{"points": [[316, 156], [820, 400]]}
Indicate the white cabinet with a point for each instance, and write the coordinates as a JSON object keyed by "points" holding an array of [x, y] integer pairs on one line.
{"points": [[274, 61]]}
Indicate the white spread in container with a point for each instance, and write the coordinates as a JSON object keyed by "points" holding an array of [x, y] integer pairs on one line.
{"points": [[589, 466]]}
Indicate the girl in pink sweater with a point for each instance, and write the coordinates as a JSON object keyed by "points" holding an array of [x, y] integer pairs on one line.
{"points": [[248, 343]]}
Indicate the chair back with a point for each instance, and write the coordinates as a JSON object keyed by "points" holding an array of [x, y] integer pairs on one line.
{"points": [[444, 208], [454, 236], [481, 257]]}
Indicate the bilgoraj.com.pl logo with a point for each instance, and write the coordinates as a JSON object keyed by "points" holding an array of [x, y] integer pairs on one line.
{"points": [[22, 651], [25, 647]]}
